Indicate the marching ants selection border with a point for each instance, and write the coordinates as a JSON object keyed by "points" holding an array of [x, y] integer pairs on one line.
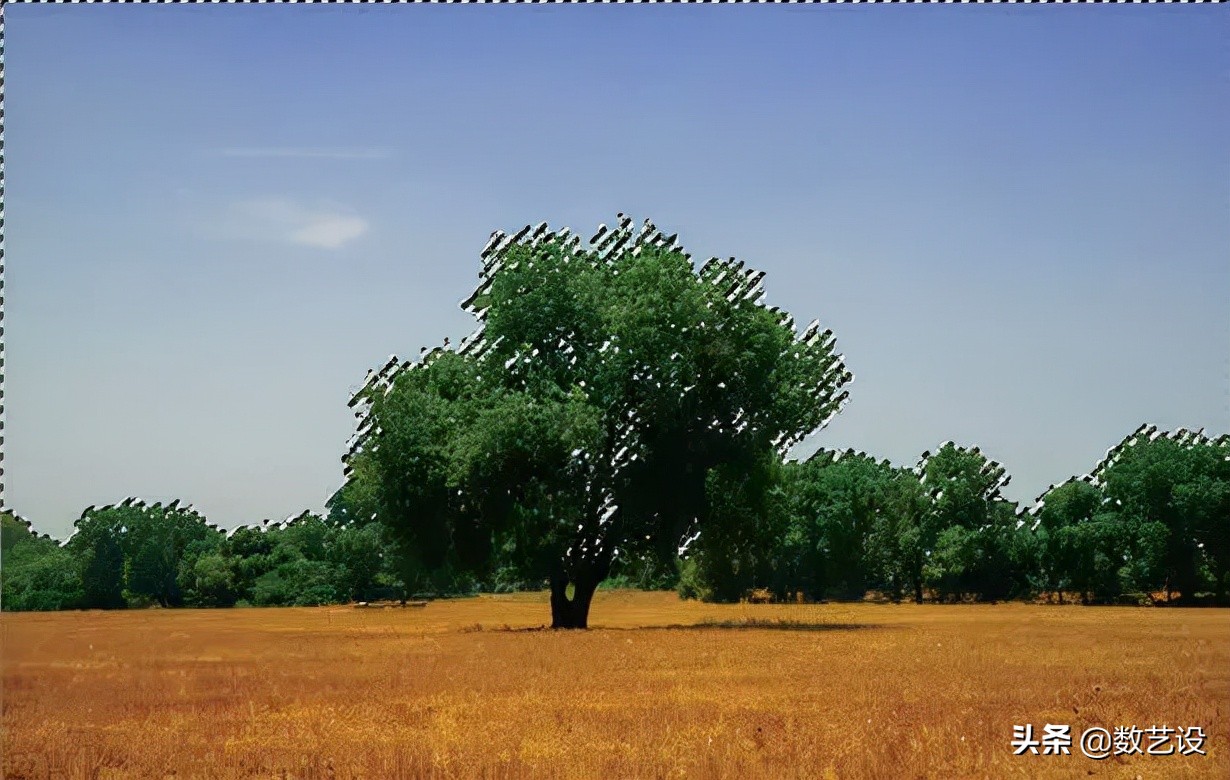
{"points": [[609, 2]]}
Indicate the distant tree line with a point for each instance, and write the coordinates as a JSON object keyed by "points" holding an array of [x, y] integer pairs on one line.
{"points": [[1152, 518], [134, 554]]}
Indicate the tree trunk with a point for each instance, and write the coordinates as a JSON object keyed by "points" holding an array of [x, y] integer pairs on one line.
{"points": [[918, 594], [1187, 583], [573, 612]]}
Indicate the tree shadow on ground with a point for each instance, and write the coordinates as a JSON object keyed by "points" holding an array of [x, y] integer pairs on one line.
{"points": [[727, 625], [754, 624]]}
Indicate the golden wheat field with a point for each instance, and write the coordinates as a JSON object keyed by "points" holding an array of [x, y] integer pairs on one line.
{"points": [[656, 688]]}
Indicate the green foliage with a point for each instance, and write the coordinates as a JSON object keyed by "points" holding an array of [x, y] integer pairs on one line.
{"points": [[36, 573], [211, 581], [299, 583], [14, 531], [355, 504], [1172, 495], [97, 546], [1067, 538], [837, 503], [308, 561], [852, 524], [967, 530], [139, 553], [305, 536], [737, 550], [902, 535], [357, 554], [692, 582]]}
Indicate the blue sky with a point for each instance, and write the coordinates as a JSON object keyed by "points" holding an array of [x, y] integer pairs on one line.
{"points": [[1016, 220]]}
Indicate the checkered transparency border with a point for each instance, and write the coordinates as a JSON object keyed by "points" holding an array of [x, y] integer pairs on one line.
{"points": [[572, 2], [2, 502]]}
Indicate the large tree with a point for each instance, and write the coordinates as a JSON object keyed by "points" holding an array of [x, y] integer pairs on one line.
{"points": [[610, 388]]}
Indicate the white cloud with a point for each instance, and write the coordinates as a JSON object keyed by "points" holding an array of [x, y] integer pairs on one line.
{"points": [[330, 231], [283, 220]]}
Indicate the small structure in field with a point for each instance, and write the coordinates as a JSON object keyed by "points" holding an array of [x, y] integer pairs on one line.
{"points": [[760, 596]]}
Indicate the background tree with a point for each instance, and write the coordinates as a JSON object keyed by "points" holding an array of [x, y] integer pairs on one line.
{"points": [[1205, 499], [1096, 550], [352, 510], [904, 534], [837, 501], [964, 526], [586, 416], [161, 546], [297, 570], [740, 547], [36, 573], [248, 548], [97, 545], [1170, 493], [356, 552], [138, 552], [1069, 542], [210, 581], [1006, 553]]}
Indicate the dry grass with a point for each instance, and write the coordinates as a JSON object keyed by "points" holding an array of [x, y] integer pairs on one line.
{"points": [[659, 688]]}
